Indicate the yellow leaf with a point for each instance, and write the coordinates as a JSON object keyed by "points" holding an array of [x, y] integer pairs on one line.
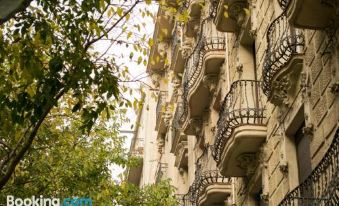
{"points": [[129, 35], [120, 11], [110, 12], [247, 11], [226, 14]]}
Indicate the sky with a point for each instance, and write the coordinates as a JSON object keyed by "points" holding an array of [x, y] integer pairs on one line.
{"points": [[137, 71]]}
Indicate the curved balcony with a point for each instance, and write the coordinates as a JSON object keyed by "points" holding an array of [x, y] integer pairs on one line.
{"points": [[177, 60], [209, 188], [241, 127], [181, 156], [229, 13], [284, 46], [160, 124], [161, 37], [322, 185], [177, 137], [200, 78], [310, 14]]}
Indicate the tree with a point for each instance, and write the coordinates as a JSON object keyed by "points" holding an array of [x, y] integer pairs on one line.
{"points": [[64, 163]]}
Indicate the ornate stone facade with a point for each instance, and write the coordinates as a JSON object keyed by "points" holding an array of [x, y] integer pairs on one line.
{"points": [[267, 108]]}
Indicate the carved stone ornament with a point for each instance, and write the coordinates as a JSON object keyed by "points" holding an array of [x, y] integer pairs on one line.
{"points": [[210, 82], [253, 33], [167, 116], [280, 91], [308, 130], [335, 88], [247, 162], [187, 48]]}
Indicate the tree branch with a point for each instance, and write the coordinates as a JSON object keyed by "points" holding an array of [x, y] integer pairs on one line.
{"points": [[89, 43]]}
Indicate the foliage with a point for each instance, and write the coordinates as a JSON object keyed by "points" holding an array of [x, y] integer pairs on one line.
{"points": [[63, 163], [48, 53], [160, 194]]}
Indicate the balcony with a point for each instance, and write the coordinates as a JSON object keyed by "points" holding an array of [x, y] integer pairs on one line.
{"points": [[137, 150], [321, 186], [177, 60], [209, 188], [161, 172], [181, 155], [282, 58], [200, 79], [160, 124], [230, 13], [161, 37], [194, 8], [241, 126], [310, 14]]}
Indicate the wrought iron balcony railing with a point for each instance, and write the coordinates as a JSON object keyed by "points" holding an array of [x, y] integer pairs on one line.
{"points": [[283, 42], [202, 181], [194, 65], [160, 105], [321, 188], [183, 200], [243, 105]]}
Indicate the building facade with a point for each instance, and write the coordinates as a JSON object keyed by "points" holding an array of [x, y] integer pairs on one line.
{"points": [[247, 102]]}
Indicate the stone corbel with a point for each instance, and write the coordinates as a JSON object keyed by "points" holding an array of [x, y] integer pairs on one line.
{"points": [[210, 82], [247, 162], [308, 130], [280, 90]]}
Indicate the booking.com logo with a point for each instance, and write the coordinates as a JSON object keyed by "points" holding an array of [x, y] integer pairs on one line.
{"points": [[41, 201]]}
